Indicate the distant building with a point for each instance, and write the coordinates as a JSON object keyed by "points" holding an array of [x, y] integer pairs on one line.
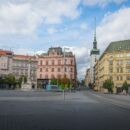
{"points": [[21, 65], [55, 64], [114, 63], [18, 65], [87, 78], [94, 57]]}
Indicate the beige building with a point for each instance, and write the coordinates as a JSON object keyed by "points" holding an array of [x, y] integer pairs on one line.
{"points": [[55, 64], [87, 77], [114, 63]]}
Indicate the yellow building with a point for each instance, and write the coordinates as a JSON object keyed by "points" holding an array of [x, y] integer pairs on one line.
{"points": [[87, 78], [114, 63]]}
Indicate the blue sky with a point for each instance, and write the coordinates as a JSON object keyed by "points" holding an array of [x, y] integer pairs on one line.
{"points": [[32, 26]]}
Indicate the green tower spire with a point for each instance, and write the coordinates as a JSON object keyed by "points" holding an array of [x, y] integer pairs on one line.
{"points": [[95, 50], [95, 40]]}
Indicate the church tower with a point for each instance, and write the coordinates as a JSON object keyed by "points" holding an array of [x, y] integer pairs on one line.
{"points": [[94, 56]]}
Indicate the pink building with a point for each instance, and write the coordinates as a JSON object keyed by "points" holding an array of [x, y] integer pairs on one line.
{"points": [[55, 64]]}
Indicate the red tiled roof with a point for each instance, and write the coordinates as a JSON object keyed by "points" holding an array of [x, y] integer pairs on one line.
{"points": [[26, 57], [5, 52]]}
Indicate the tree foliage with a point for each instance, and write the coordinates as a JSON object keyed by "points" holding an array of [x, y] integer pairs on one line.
{"points": [[108, 84], [125, 86], [63, 83]]}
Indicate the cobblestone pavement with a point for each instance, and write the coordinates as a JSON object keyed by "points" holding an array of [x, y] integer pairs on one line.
{"points": [[84, 110]]}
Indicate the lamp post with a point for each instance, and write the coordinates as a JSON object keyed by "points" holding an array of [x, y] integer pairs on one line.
{"points": [[64, 70]]}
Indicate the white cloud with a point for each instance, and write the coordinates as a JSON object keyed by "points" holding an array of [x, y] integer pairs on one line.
{"points": [[102, 2], [23, 51], [51, 30], [83, 26], [24, 17], [114, 26], [82, 58]]}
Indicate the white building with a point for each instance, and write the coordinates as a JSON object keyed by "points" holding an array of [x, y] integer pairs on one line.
{"points": [[94, 57]]}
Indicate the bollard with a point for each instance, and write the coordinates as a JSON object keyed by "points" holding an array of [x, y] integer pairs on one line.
{"points": [[63, 94]]}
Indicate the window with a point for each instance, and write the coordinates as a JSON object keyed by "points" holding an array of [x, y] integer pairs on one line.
{"points": [[119, 78], [119, 62], [58, 69], [71, 69], [121, 70], [46, 69], [128, 54], [111, 70], [53, 62], [128, 77], [40, 69], [65, 69], [40, 62], [110, 62], [71, 62], [119, 55], [52, 70], [71, 76], [40, 76], [59, 62], [128, 70], [46, 76], [128, 62], [59, 76], [65, 61], [117, 70], [52, 76], [46, 62]]}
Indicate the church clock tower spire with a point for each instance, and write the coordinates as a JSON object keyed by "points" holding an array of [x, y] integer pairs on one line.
{"points": [[95, 52], [95, 39]]}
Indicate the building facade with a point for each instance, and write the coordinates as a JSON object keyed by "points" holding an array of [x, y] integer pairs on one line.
{"points": [[24, 65], [55, 64], [87, 78], [114, 63], [5, 62], [18, 65]]}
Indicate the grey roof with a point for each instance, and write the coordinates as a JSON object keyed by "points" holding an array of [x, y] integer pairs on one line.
{"points": [[115, 46], [118, 46]]}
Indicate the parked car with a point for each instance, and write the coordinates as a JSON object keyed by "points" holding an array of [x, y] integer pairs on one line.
{"points": [[53, 88]]}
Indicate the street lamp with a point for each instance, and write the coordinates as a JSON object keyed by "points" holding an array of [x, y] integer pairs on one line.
{"points": [[64, 70]]}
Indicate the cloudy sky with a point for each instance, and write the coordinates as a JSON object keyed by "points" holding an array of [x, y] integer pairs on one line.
{"points": [[30, 26]]}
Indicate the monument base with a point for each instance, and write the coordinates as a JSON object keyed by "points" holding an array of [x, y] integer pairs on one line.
{"points": [[26, 87]]}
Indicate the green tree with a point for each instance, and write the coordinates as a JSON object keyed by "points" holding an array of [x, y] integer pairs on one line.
{"points": [[54, 81], [10, 80], [125, 86], [108, 84]]}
